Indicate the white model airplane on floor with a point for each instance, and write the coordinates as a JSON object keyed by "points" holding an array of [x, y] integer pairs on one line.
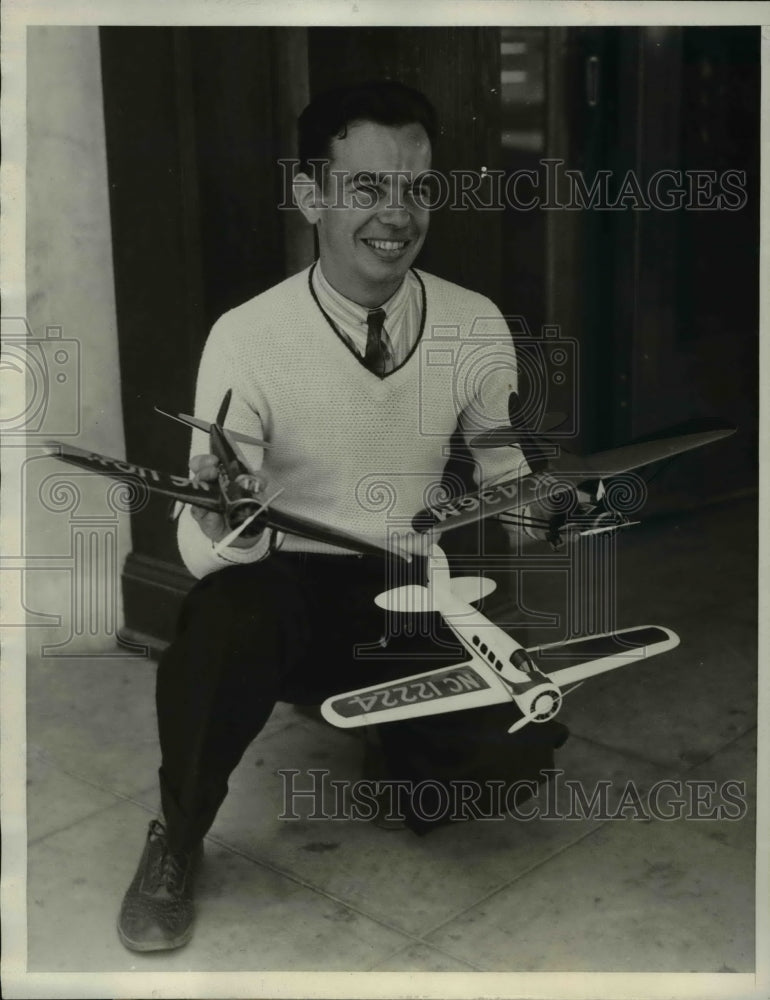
{"points": [[499, 670]]}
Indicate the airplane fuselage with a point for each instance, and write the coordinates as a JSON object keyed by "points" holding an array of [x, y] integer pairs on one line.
{"points": [[538, 698]]}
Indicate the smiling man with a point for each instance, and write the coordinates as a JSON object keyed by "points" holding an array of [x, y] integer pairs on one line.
{"points": [[359, 372], [369, 206]]}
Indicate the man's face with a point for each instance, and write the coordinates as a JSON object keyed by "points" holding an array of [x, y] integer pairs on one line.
{"points": [[370, 227]]}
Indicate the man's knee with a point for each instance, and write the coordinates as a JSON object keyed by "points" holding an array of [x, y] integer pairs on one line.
{"points": [[239, 592]]}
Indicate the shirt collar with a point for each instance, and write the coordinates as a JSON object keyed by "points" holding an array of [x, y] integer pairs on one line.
{"points": [[352, 311]]}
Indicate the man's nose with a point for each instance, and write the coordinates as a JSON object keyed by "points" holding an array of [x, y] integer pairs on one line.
{"points": [[393, 211]]}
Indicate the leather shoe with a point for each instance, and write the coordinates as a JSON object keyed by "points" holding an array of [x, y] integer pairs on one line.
{"points": [[157, 913]]}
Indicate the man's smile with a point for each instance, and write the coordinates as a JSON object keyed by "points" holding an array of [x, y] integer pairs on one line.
{"points": [[386, 249]]}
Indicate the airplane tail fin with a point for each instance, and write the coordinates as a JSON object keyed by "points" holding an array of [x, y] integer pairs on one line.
{"points": [[439, 577], [224, 407], [467, 589]]}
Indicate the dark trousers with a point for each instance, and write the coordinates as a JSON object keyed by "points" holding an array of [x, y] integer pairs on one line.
{"points": [[297, 628]]}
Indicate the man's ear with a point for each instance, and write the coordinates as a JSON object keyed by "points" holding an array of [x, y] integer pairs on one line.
{"points": [[307, 197]]}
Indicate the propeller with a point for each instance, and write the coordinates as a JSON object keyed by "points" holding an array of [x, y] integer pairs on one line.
{"points": [[237, 532], [522, 722]]}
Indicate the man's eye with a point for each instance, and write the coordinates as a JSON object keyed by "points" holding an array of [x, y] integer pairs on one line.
{"points": [[422, 194]]}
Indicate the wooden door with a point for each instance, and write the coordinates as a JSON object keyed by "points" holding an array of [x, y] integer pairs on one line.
{"points": [[196, 122]]}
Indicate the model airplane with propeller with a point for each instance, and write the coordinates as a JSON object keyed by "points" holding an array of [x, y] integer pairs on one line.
{"points": [[569, 493], [239, 494], [500, 669]]}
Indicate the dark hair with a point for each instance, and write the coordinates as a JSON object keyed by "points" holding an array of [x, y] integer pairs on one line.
{"points": [[386, 102]]}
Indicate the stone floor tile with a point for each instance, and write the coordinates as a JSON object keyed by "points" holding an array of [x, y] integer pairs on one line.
{"points": [[737, 761], [55, 799], [680, 707], [410, 882], [96, 717], [632, 897], [249, 918], [731, 771], [422, 958]]}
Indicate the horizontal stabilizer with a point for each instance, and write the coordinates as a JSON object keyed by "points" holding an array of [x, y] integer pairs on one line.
{"points": [[447, 689], [569, 662], [471, 589], [204, 425], [410, 599]]}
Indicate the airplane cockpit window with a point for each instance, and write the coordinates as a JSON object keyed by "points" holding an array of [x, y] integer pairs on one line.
{"points": [[521, 659]]}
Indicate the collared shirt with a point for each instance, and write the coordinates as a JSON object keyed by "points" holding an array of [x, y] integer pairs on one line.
{"points": [[403, 316]]}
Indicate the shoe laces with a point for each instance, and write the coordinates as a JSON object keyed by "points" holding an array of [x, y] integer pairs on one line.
{"points": [[169, 869]]}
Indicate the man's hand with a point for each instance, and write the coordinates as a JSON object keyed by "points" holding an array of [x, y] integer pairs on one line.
{"points": [[205, 469], [541, 514]]}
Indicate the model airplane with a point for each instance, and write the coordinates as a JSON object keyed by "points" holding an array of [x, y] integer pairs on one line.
{"points": [[239, 494], [570, 491], [499, 670]]}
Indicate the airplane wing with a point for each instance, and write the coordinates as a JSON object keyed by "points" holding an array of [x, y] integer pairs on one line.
{"points": [[182, 489], [305, 528], [519, 491], [491, 499], [177, 487], [446, 689], [614, 461], [634, 456], [569, 662]]}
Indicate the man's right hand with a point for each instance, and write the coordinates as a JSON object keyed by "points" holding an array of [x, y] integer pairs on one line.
{"points": [[205, 469]]}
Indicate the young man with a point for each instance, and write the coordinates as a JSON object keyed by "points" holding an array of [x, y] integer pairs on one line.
{"points": [[357, 372]]}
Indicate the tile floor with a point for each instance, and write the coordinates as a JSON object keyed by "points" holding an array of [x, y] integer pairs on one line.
{"points": [[586, 894]]}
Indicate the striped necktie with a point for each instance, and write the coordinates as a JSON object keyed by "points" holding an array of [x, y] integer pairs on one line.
{"points": [[377, 354]]}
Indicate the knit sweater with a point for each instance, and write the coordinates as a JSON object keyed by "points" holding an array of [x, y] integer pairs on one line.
{"points": [[350, 449]]}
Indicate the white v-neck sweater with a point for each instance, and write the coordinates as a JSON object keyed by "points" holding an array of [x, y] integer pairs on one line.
{"points": [[350, 449]]}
